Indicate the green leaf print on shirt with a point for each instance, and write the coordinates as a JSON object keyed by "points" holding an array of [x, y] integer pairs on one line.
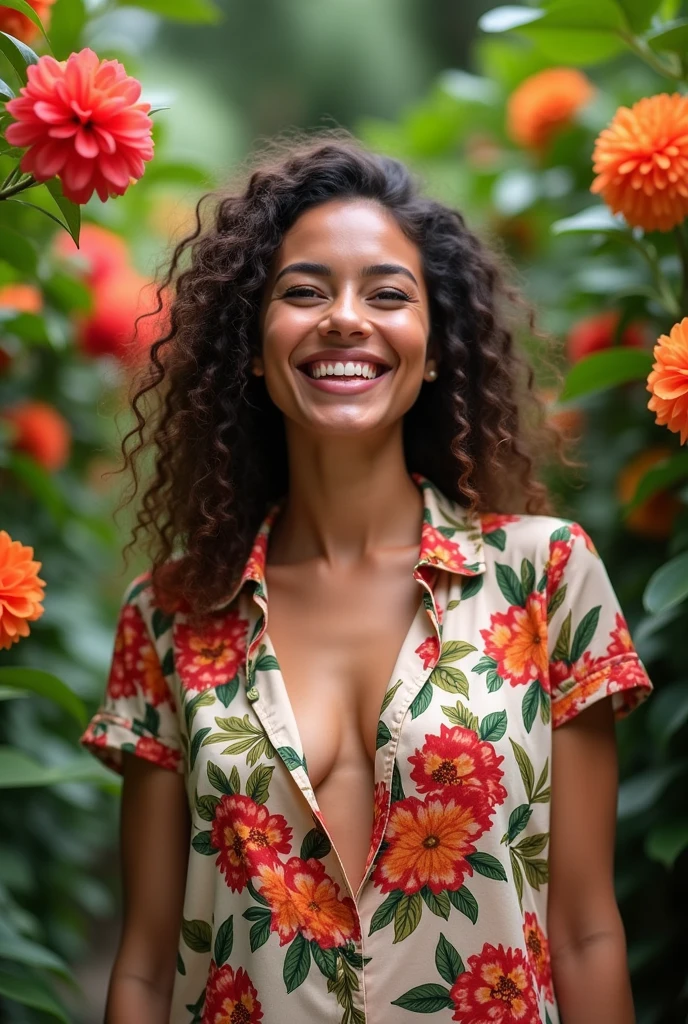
{"points": [[245, 736], [523, 856], [431, 997], [445, 675]]}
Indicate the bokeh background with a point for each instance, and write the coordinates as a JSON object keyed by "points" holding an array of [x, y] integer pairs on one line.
{"points": [[418, 79]]}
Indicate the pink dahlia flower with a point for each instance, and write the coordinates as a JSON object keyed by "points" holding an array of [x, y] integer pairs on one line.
{"points": [[82, 121]]}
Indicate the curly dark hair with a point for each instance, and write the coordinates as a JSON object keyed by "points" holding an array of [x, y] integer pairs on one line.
{"points": [[480, 432]]}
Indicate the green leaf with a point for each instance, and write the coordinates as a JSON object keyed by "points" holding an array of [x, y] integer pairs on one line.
{"points": [[196, 744], [226, 692], [18, 770], [28, 12], [69, 210], [387, 699], [32, 992], [527, 576], [556, 602], [562, 646], [198, 935], [455, 650], [584, 633], [326, 960], [460, 715], [194, 11], [493, 726], [315, 844], [224, 940], [659, 477], [290, 757], [218, 780], [668, 585], [638, 12], [45, 684], [66, 24], [22, 950], [518, 819], [206, 805], [428, 998], [447, 961], [531, 700], [672, 38], [606, 369], [487, 865], [18, 54], [258, 783], [510, 585], [589, 31], [496, 539], [532, 845], [593, 220], [465, 902], [437, 903], [383, 734], [407, 915], [234, 780], [450, 679], [5, 91], [297, 962], [16, 250], [525, 767], [201, 843], [504, 19], [518, 877], [397, 788], [536, 871], [420, 703], [665, 843], [386, 910]]}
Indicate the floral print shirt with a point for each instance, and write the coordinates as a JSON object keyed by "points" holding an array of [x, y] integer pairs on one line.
{"points": [[518, 629]]}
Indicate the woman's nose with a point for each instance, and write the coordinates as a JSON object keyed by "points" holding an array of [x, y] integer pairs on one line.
{"points": [[346, 315]]}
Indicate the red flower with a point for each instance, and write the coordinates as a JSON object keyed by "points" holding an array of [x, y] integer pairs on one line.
{"points": [[246, 835], [302, 897], [537, 948], [230, 997], [495, 989], [213, 657], [42, 432], [457, 759], [593, 333], [82, 121], [111, 328], [378, 829], [21, 27], [429, 841], [491, 521], [157, 752], [100, 253], [517, 640], [429, 650], [559, 554], [135, 665], [620, 642], [438, 550]]}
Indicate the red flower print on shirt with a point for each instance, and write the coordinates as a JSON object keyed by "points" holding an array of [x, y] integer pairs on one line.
{"points": [[323, 916], [152, 750], [435, 547], [302, 897], [213, 657], [135, 666], [246, 835], [458, 758], [429, 650], [491, 521], [537, 949], [559, 554], [578, 531], [230, 998], [517, 640], [620, 642], [495, 989], [428, 842], [379, 809]]}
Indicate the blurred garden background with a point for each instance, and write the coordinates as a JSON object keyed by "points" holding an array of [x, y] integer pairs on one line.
{"points": [[502, 113]]}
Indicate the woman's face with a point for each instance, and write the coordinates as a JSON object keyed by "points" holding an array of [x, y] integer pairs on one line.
{"points": [[345, 320]]}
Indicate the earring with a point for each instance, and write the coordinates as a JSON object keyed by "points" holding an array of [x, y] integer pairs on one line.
{"points": [[257, 368], [431, 374]]}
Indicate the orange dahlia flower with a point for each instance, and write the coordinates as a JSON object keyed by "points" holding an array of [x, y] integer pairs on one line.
{"points": [[21, 27], [545, 103], [41, 431], [641, 162], [668, 380], [20, 590], [83, 122], [25, 298], [100, 252]]}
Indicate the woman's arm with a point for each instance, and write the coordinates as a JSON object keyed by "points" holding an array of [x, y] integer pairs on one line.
{"points": [[586, 935], [154, 842]]}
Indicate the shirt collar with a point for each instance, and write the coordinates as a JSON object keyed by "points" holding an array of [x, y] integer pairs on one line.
{"points": [[451, 539]]}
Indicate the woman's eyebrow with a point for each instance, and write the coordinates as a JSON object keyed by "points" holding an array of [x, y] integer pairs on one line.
{"points": [[373, 270]]}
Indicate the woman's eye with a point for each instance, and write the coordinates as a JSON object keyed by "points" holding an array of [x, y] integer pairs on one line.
{"points": [[304, 292]]}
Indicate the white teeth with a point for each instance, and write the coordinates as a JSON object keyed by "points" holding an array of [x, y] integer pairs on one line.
{"points": [[339, 369], [366, 370], [349, 369], [357, 369]]}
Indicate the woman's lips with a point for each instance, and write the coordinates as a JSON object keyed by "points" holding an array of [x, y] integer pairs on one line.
{"points": [[344, 385]]}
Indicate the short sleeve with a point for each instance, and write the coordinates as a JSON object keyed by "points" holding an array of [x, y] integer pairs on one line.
{"points": [[591, 653], [137, 712]]}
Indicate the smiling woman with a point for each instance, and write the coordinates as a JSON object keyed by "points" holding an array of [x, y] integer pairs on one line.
{"points": [[346, 506]]}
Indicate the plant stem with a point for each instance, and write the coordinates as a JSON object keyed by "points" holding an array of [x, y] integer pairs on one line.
{"points": [[11, 177], [664, 292], [642, 50], [20, 186]]}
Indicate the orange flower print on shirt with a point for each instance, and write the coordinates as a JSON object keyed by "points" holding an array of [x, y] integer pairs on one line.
{"points": [[135, 658], [491, 521], [517, 640], [378, 829], [437, 548], [537, 949], [246, 835], [428, 843], [158, 753], [495, 989], [230, 998], [273, 887], [458, 758], [429, 651], [213, 657], [323, 916]]}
